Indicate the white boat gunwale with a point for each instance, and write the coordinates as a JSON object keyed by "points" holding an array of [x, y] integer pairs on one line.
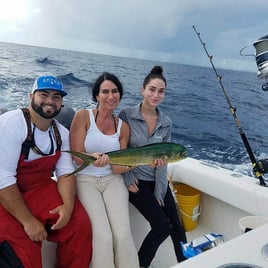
{"points": [[226, 197]]}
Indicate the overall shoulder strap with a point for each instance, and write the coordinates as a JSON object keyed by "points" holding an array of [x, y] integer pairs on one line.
{"points": [[25, 148], [27, 117], [57, 135], [27, 144]]}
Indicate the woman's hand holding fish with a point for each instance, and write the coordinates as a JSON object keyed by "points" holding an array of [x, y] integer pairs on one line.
{"points": [[134, 187], [158, 163], [101, 159]]}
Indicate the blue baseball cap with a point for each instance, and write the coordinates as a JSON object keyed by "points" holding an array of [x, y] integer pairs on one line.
{"points": [[48, 82]]}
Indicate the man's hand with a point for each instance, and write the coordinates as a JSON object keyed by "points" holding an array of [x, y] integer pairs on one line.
{"points": [[64, 216], [35, 230]]}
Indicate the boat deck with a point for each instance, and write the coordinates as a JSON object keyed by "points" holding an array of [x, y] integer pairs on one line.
{"points": [[165, 256]]}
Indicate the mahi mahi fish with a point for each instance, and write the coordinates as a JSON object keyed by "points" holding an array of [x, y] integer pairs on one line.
{"points": [[136, 156]]}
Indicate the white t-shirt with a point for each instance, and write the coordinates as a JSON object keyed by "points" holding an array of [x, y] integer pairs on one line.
{"points": [[13, 132]]}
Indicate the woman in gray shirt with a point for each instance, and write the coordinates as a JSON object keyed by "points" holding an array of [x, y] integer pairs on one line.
{"points": [[148, 186]]}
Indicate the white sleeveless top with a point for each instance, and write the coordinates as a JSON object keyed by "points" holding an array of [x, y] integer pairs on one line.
{"points": [[96, 141]]}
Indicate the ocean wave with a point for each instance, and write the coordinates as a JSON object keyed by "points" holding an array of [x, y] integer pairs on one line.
{"points": [[194, 100], [70, 79], [47, 61]]}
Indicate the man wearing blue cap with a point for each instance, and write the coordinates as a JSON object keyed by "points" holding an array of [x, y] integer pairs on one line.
{"points": [[34, 207]]}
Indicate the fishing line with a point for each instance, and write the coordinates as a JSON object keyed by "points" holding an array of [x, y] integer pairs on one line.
{"points": [[256, 169]]}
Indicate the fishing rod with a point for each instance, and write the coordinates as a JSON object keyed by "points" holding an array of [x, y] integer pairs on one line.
{"points": [[256, 167]]}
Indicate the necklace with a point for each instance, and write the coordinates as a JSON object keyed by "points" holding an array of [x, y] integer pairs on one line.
{"points": [[37, 150], [97, 113]]}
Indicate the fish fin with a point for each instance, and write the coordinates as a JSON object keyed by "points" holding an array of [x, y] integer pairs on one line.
{"points": [[82, 156], [86, 158], [81, 167]]}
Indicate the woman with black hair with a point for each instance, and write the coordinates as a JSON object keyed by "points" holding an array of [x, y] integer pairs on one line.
{"points": [[148, 186], [100, 187]]}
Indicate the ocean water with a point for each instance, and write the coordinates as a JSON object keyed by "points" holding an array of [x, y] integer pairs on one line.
{"points": [[201, 115]]}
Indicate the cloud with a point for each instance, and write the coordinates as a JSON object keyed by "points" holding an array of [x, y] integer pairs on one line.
{"points": [[150, 29]]}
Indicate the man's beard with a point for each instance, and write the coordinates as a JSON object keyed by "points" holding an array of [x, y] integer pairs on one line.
{"points": [[39, 110]]}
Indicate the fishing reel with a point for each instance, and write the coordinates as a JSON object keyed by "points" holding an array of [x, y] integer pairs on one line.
{"points": [[261, 166], [261, 47]]}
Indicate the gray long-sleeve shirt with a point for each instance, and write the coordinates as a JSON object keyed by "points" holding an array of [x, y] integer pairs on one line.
{"points": [[138, 137]]}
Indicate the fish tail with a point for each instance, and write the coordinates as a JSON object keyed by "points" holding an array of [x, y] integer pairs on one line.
{"points": [[86, 158], [81, 167]]}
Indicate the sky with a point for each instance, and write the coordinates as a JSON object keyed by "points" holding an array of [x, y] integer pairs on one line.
{"points": [[145, 29]]}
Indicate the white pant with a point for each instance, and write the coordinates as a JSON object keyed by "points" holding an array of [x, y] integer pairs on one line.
{"points": [[106, 201]]}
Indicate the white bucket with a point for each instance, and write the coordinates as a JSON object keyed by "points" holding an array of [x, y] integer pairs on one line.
{"points": [[251, 222]]}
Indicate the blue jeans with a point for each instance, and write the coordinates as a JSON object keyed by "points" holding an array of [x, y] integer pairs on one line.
{"points": [[164, 221]]}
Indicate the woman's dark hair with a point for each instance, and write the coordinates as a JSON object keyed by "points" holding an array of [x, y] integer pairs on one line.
{"points": [[102, 78], [156, 72]]}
